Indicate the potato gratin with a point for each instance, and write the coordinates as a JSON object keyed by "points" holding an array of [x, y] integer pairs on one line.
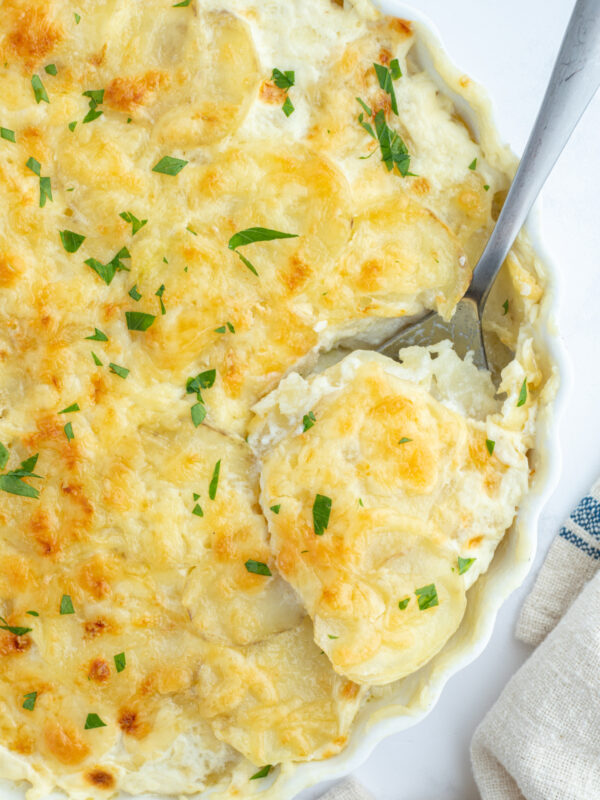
{"points": [[214, 542]]}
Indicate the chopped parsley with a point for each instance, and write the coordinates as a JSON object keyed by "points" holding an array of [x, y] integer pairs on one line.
{"points": [[136, 224], [93, 721], [97, 361], [29, 700], [394, 152], [487, 187], [204, 380], [139, 320], [288, 107], [384, 76], [134, 294], [96, 98], [490, 444], [169, 165], [331, 636], [66, 605], [505, 308], [214, 481], [77, 18], [224, 328], [198, 411], [404, 440], [197, 510], [72, 125], [276, 509], [403, 603], [473, 164], [68, 429], [6, 133], [320, 512], [120, 662], [191, 230], [522, 394], [464, 564], [45, 191], [308, 420], [71, 241], [395, 70], [34, 165], [262, 772], [98, 336], [122, 372], [33, 613], [250, 235], [183, 4], [283, 80], [39, 91], [108, 271], [258, 568], [51, 69], [70, 409], [159, 293], [427, 597], [14, 629], [12, 482]]}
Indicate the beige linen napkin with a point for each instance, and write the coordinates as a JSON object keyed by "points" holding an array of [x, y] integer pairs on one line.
{"points": [[541, 740], [347, 790]]}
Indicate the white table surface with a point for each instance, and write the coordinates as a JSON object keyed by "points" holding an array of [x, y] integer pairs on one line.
{"points": [[510, 47]]}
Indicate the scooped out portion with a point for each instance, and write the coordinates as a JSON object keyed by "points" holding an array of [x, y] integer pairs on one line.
{"points": [[387, 488]]}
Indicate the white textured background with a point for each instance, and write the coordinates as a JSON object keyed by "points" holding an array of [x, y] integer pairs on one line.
{"points": [[510, 47]]}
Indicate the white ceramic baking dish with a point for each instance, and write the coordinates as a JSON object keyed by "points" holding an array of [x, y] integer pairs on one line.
{"points": [[415, 696]]}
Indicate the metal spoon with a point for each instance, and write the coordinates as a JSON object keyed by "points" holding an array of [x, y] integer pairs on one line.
{"points": [[573, 83]]}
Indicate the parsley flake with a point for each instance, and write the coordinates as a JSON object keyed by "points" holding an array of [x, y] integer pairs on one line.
{"points": [[68, 429], [395, 70], [522, 394], [384, 76], [250, 235], [197, 510], [136, 224], [276, 509], [473, 164], [487, 187], [427, 596], [93, 721], [66, 605], [403, 603], [33, 613], [159, 293], [262, 773], [505, 308], [198, 412], [138, 320], [108, 271], [6, 133], [39, 91], [308, 420], [14, 629], [51, 69], [204, 380], [34, 165], [183, 4], [490, 444], [283, 80], [288, 107], [258, 568], [98, 336], [404, 440], [122, 372], [29, 700], [464, 564], [12, 481], [320, 512], [214, 481], [70, 409], [133, 293], [169, 165], [72, 126], [97, 361], [71, 241], [77, 18], [96, 98], [120, 662]]}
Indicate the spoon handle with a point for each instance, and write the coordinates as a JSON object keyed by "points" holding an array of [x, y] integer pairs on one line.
{"points": [[574, 80]]}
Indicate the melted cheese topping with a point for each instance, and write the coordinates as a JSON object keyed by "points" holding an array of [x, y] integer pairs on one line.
{"points": [[228, 669]]}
